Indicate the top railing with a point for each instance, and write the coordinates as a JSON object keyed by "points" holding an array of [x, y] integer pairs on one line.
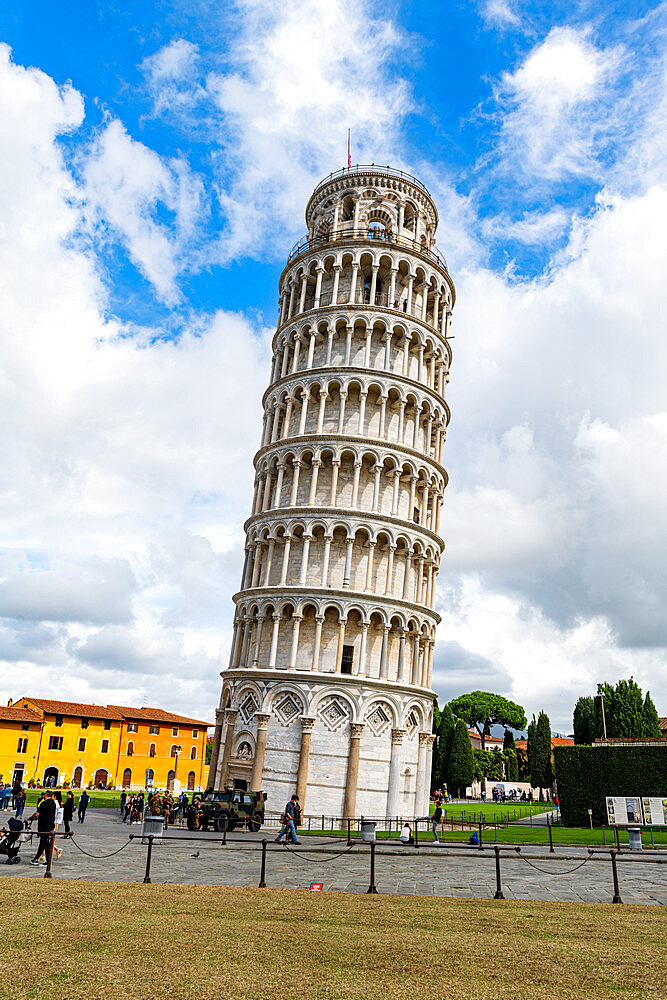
{"points": [[308, 243], [364, 168]]}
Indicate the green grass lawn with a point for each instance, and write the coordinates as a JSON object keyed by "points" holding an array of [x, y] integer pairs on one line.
{"points": [[494, 810], [562, 836], [97, 798], [174, 942]]}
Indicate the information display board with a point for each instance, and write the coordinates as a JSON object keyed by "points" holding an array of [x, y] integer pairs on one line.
{"points": [[629, 810], [622, 809], [655, 811]]}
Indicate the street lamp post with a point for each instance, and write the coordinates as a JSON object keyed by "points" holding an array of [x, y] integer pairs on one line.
{"points": [[177, 750], [604, 720]]}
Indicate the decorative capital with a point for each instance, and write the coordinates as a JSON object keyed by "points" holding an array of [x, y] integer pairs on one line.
{"points": [[426, 740], [231, 713], [262, 720], [356, 730], [397, 736], [307, 724]]}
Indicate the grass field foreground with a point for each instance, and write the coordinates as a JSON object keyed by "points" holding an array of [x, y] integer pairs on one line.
{"points": [[101, 940]]}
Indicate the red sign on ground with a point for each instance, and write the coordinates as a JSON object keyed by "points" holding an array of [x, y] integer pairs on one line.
{"points": [[316, 886]]}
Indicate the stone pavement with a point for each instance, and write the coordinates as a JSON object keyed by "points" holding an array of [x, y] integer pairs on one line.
{"points": [[455, 871]]}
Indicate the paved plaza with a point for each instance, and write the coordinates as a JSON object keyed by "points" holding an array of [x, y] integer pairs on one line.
{"points": [[430, 871]]}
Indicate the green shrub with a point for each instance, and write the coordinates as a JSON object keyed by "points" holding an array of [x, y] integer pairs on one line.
{"points": [[586, 775]]}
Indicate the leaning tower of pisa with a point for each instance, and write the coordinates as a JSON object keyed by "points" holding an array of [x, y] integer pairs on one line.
{"points": [[328, 688]]}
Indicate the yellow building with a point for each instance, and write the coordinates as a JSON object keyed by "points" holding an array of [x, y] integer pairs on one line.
{"points": [[81, 744], [20, 731], [160, 747]]}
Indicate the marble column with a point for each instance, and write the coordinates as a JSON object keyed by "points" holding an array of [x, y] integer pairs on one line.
{"points": [[260, 750], [356, 732], [423, 778], [304, 759], [394, 793], [215, 747], [230, 719]]}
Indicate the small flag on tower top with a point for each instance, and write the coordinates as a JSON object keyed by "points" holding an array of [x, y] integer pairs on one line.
{"points": [[349, 153]]}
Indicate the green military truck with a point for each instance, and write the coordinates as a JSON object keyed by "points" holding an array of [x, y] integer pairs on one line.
{"points": [[227, 810]]}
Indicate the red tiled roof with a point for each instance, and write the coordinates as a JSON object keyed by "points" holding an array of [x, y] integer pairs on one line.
{"points": [[556, 741], [487, 739], [75, 708], [13, 714], [663, 723], [158, 715]]}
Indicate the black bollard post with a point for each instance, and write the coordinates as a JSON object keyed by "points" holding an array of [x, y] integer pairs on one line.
{"points": [[417, 833], [481, 845], [147, 876], [604, 839], [349, 832], [224, 831], [49, 856], [262, 874], [617, 891], [499, 888], [371, 887], [617, 838], [551, 843]]}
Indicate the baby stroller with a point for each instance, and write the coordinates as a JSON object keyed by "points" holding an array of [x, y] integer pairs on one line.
{"points": [[10, 843]]}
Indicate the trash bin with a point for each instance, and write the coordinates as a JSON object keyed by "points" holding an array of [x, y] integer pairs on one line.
{"points": [[152, 825], [368, 830], [635, 838]]}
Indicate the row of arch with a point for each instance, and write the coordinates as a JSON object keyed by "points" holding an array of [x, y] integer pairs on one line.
{"points": [[350, 479], [379, 206], [359, 408], [333, 557], [380, 278], [327, 637], [363, 342], [403, 711]]}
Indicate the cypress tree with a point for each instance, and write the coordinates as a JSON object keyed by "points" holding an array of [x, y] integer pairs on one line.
{"points": [[508, 741], [627, 707], [539, 752], [460, 771], [443, 748], [650, 717], [583, 721], [511, 765]]}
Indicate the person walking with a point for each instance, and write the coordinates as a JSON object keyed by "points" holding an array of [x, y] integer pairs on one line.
{"points": [[436, 816], [83, 805], [290, 813], [57, 795], [123, 800], [20, 802], [68, 812], [46, 824]]}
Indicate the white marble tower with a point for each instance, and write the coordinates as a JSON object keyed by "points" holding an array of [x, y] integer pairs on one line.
{"points": [[328, 688]]}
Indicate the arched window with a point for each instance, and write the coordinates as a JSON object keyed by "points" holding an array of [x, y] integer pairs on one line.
{"points": [[377, 229], [193, 753], [150, 775], [173, 750], [151, 750], [130, 748], [191, 781]]}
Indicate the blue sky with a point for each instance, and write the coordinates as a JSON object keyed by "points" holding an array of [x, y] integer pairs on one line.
{"points": [[160, 158]]}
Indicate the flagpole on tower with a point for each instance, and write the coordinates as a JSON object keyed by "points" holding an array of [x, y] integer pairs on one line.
{"points": [[349, 153]]}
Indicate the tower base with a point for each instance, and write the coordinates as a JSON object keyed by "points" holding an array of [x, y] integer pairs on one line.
{"points": [[348, 747]]}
